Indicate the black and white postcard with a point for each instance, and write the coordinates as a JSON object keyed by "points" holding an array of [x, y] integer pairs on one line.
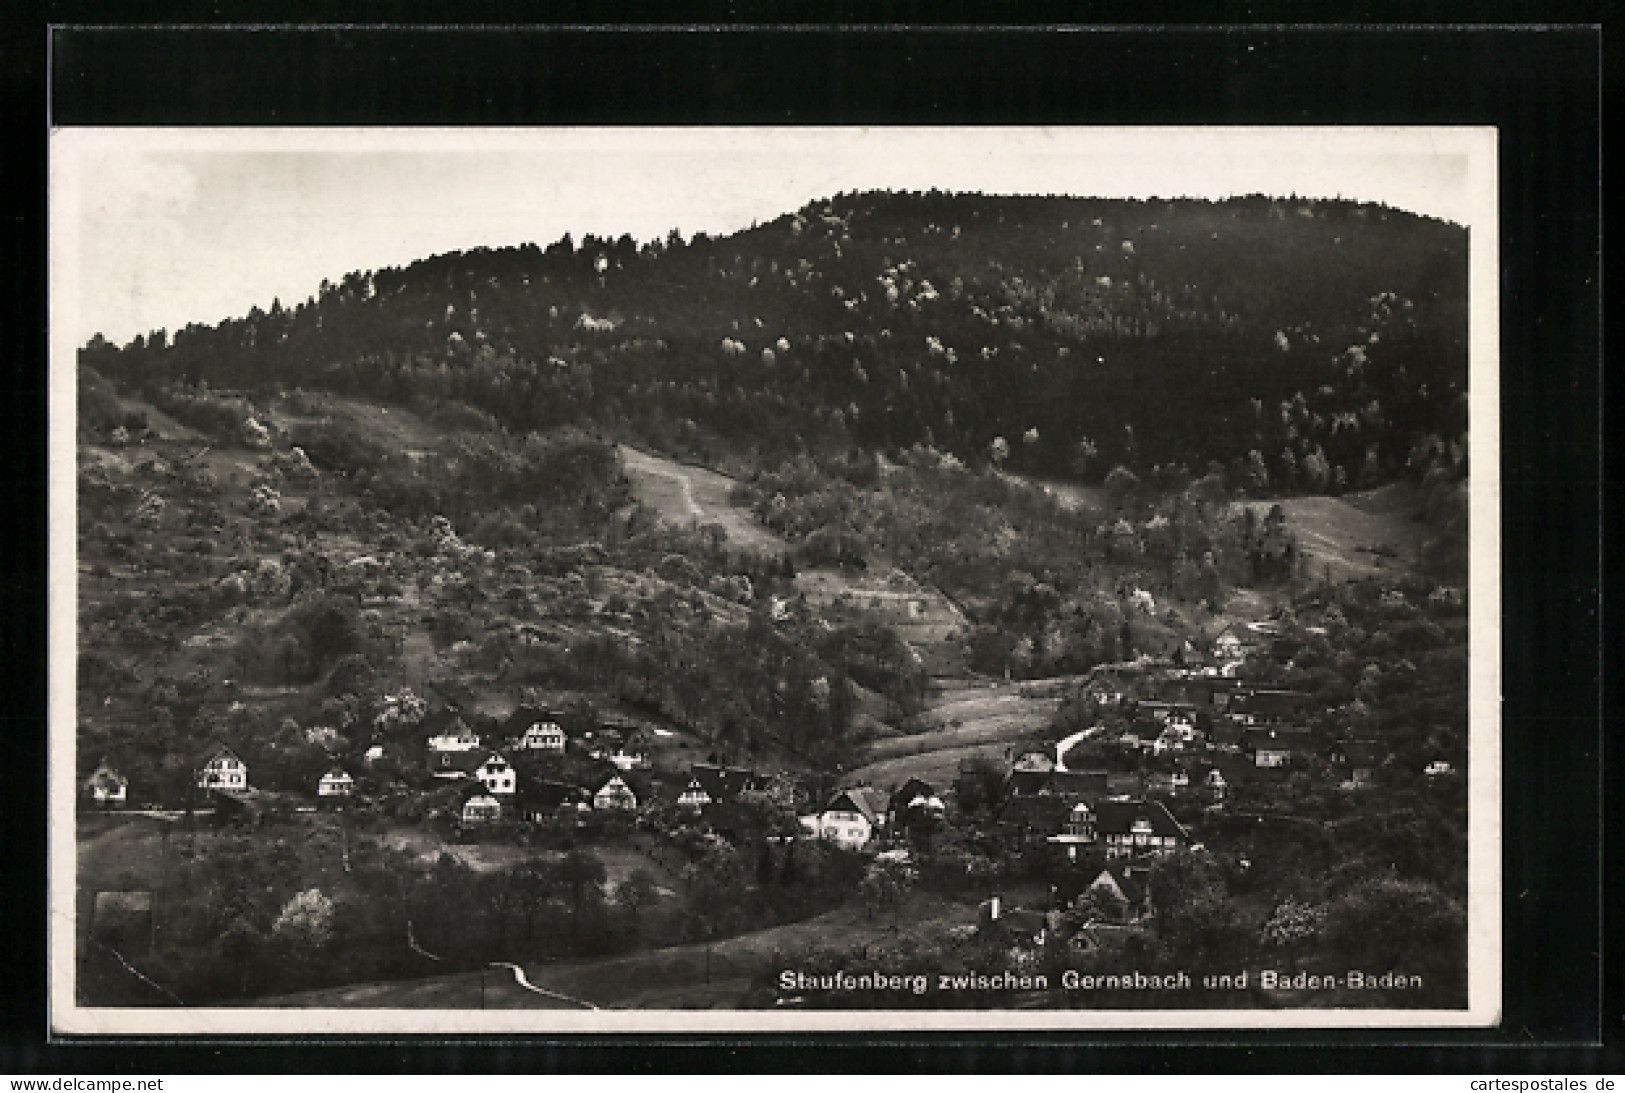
{"points": [[693, 579]]}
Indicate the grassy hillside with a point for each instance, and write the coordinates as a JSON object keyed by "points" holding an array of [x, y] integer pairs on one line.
{"points": [[1361, 535], [681, 977]]}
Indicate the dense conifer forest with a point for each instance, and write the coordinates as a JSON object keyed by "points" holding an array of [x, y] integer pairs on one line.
{"points": [[1299, 345]]}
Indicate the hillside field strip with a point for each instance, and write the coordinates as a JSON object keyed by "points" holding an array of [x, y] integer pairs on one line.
{"points": [[962, 721], [1071, 496], [1353, 537], [923, 617], [681, 494]]}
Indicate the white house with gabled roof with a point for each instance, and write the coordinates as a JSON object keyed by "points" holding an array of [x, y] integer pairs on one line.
{"points": [[496, 774], [222, 769], [107, 786], [455, 737], [335, 783]]}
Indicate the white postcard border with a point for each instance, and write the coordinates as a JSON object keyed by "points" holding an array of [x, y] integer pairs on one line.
{"points": [[1479, 147]]}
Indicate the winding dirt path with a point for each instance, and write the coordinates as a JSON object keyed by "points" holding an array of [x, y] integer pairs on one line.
{"points": [[519, 977]]}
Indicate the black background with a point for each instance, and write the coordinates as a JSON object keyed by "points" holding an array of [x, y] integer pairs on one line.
{"points": [[1541, 87]]}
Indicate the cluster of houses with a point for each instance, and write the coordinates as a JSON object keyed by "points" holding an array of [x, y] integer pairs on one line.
{"points": [[499, 778], [860, 816], [1188, 735], [1201, 730], [509, 783], [504, 776], [1072, 811], [1167, 742], [1068, 810], [1070, 814]]}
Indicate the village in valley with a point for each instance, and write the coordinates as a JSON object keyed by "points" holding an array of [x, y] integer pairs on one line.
{"points": [[515, 631], [1174, 747]]}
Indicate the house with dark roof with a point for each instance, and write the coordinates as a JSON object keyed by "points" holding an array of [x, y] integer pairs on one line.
{"points": [[1106, 691], [1139, 734], [1019, 926], [1034, 818], [1237, 769], [853, 818], [708, 784], [1065, 784], [1115, 684], [630, 754], [1206, 689], [533, 728], [915, 793], [1166, 780], [1262, 705], [615, 793], [1165, 711], [1078, 785], [1026, 783], [1198, 776], [455, 765], [1123, 888], [1077, 832], [1277, 745], [496, 774], [538, 799], [612, 733], [623, 746], [1176, 736], [1237, 643], [1129, 826], [1360, 758]]}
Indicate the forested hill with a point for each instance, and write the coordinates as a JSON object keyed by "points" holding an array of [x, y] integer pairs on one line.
{"points": [[1305, 345]]}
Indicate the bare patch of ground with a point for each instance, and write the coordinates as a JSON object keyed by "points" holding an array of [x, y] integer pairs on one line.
{"points": [[478, 857], [1071, 496], [681, 494], [1358, 535], [922, 616]]}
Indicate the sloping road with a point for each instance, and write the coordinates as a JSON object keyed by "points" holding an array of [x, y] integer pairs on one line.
{"points": [[519, 977]]}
